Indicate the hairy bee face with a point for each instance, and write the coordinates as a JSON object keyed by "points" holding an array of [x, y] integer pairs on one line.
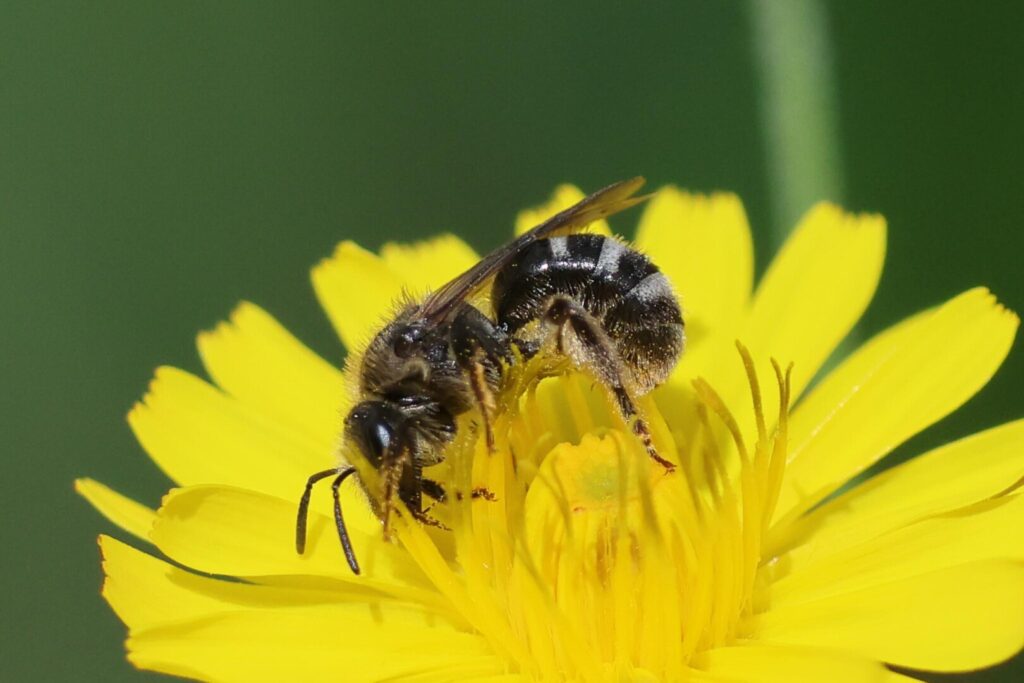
{"points": [[398, 440]]}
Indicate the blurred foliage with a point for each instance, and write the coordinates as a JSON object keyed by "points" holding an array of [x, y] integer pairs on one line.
{"points": [[161, 161]]}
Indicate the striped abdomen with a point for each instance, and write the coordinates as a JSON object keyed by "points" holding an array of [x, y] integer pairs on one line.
{"points": [[619, 287]]}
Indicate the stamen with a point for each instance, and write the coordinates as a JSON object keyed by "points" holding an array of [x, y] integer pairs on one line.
{"points": [[777, 467], [710, 397], [587, 535], [755, 390]]}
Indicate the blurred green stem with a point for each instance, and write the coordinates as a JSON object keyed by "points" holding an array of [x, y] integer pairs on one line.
{"points": [[798, 108]]}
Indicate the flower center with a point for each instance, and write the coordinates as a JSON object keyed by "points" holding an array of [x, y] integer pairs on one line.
{"points": [[593, 559]]}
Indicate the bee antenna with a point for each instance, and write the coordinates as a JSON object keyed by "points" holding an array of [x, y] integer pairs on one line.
{"points": [[300, 522], [346, 544]]}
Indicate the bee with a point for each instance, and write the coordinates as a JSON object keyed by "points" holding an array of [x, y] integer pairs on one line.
{"points": [[566, 295]]}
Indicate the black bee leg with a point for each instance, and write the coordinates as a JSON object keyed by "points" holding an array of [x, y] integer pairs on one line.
{"points": [[640, 427], [480, 348], [424, 518], [472, 330], [433, 490], [583, 340], [417, 486], [527, 348]]}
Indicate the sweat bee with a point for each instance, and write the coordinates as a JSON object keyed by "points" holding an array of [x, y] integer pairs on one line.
{"points": [[585, 298]]}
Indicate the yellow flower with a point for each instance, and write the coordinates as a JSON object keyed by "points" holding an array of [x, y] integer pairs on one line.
{"points": [[593, 564]]}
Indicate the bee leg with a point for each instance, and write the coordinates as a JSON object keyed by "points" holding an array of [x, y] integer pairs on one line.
{"points": [[480, 348], [472, 330], [484, 399], [434, 490], [582, 339], [424, 518], [527, 348]]}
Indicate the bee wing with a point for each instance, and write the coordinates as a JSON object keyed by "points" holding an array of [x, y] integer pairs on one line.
{"points": [[601, 204]]}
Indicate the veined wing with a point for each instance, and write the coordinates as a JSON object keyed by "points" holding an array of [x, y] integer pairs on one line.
{"points": [[601, 204]]}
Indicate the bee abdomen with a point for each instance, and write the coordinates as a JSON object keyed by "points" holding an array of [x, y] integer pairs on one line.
{"points": [[617, 285]]}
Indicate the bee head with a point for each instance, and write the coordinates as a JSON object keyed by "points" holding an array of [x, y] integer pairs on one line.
{"points": [[374, 428], [378, 430]]}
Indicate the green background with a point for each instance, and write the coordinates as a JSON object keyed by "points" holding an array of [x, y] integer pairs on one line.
{"points": [[161, 161]]}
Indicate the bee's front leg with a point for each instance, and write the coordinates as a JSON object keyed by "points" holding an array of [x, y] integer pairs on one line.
{"points": [[480, 349]]}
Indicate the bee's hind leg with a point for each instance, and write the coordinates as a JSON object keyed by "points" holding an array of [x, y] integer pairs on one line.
{"points": [[582, 339], [480, 349]]}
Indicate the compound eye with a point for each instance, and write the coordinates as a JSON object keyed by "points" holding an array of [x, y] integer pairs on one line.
{"points": [[372, 427], [406, 341], [378, 440]]}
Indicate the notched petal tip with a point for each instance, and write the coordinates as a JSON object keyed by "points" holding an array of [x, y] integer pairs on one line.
{"points": [[163, 376], [445, 242], [896, 385], [354, 269], [243, 312], [702, 243], [133, 517], [342, 250], [981, 296], [831, 212], [426, 265]]}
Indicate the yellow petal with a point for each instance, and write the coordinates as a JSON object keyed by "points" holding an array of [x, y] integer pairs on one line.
{"points": [[954, 619], [950, 477], [896, 385], [197, 435], [425, 266], [563, 197], [816, 289], [988, 530], [758, 663], [234, 532], [443, 675], [146, 592], [260, 363], [353, 642], [702, 243], [358, 291], [135, 518]]}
